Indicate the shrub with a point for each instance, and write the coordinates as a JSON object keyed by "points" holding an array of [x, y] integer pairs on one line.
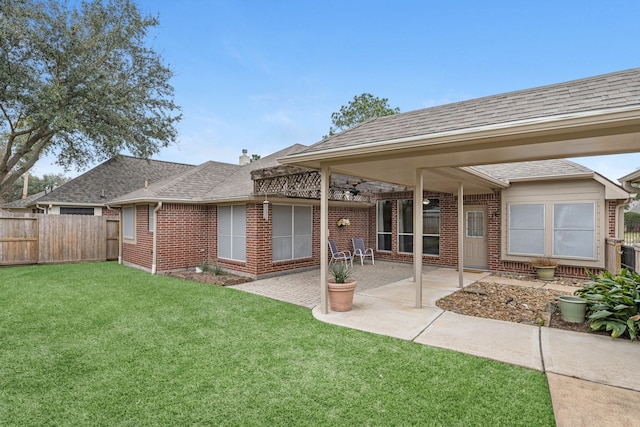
{"points": [[613, 302]]}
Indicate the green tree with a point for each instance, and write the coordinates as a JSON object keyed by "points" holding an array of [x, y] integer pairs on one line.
{"points": [[35, 185], [80, 83], [362, 108]]}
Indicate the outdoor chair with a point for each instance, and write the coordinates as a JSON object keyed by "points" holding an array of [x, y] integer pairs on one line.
{"points": [[359, 250], [337, 255]]}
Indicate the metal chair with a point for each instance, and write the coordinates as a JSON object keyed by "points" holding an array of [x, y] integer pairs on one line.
{"points": [[359, 250], [337, 255]]}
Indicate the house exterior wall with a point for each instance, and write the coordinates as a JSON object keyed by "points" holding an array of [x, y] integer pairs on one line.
{"points": [[187, 234], [139, 250]]}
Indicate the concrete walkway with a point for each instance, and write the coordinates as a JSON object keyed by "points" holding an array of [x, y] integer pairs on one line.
{"points": [[593, 380]]}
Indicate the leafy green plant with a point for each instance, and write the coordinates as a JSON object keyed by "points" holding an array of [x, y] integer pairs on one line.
{"points": [[217, 270], [613, 302], [204, 266], [340, 271]]}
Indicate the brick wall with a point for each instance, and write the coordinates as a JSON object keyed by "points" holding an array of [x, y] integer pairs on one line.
{"points": [[110, 212], [184, 236], [139, 253]]}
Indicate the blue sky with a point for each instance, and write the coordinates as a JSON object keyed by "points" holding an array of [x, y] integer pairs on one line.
{"points": [[263, 75]]}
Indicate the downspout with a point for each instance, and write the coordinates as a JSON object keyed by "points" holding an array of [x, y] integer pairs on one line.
{"points": [[44, 210], [154, 261]]}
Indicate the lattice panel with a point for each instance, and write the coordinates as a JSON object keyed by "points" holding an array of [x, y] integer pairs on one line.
{"points": [[304, 185]]}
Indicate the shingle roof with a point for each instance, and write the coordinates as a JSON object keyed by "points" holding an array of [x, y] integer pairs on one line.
{"points": [[208, 182], [602, 92], [24, 203], [114, 177], [535, 169]]}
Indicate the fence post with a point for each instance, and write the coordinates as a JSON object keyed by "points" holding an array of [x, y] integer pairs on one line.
{"points": [[613, 255]]}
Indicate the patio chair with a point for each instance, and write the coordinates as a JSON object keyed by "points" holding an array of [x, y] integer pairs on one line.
{"points": [[337, 255], [359, 250]]}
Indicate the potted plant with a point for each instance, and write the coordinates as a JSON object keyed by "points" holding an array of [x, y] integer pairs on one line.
{"points": [[545, 268], [341, 287]]}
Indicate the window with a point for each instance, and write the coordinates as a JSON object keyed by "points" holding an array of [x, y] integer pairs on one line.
{"points": [[567, 231], [430, 226], [76, 211], [232, 229], [291, 232], [574, 229], [128, 222], [475, 224], [526, 229], [151, 217], [384, 212]]}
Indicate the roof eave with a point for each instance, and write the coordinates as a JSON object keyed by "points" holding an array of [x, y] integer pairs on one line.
{"points": [[547, 124]]}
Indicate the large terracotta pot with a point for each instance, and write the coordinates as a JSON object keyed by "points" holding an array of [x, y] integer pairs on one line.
{"points": [[341, 295]]}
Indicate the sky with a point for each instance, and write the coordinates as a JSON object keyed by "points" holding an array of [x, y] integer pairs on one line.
{"points": [[263, 75]]}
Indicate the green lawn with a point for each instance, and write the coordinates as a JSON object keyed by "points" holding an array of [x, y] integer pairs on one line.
{"points": [[103, 344]]}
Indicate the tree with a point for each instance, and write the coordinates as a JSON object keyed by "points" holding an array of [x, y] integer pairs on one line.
{"points": [[79, 83], [362, 108], [36, 185]]}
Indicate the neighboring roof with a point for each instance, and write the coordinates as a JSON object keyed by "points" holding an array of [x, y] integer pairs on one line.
{"points": [[24, 203], [606, 91], [208, 182], [111, 179], [539, 169]]}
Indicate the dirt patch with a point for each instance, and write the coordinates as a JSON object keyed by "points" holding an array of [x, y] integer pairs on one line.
{"points": [[518, 304], [210, 278]]}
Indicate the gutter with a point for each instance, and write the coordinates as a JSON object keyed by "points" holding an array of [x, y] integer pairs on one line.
{"points": [[154, 261], [433, 140]]}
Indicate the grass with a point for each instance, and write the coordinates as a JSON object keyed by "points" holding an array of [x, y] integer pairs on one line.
{"points": [[102, 344]]}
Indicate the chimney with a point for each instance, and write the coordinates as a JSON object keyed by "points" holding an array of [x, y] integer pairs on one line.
{"points": [[244, 159], [25, 185]]}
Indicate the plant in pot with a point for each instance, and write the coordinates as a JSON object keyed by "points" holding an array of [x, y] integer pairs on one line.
{"points": [[341, 287], [545, 268]]}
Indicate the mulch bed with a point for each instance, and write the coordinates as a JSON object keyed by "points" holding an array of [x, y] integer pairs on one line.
{"points": [[526, 305], [209, 277]]}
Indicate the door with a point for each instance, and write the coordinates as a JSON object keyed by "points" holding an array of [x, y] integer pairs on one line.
{"points": [[475, 237]]}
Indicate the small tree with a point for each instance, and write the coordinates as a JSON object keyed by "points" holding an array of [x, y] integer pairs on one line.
{"points": [[35, 185], [80, 83], [362, 108]]}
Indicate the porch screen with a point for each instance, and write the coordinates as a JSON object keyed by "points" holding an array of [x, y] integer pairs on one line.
{"points": [[232, 230], [292, 232]]}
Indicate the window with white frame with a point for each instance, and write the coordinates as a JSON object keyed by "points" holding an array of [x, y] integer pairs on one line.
{"points": [[430, 226], [384, 214], [568, 231], [232, 232], [574, 229], [526, 229], [292, 232], [129, 222]]}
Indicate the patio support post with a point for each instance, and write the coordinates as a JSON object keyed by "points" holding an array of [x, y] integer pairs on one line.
{"points": [[325, 180], [417, 235], [460, 235]]}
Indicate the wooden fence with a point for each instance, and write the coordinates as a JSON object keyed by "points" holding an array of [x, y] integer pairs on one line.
{"points": [[43, 239]]}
